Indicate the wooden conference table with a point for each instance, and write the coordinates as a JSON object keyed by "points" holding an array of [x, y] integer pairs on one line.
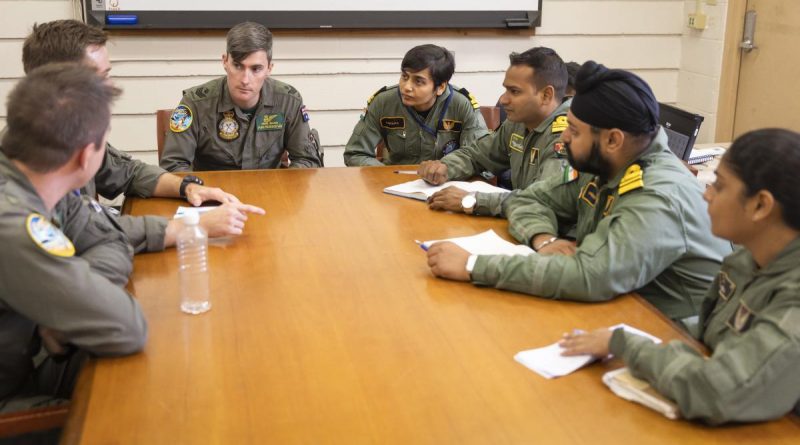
{"points": [[327, 327]]}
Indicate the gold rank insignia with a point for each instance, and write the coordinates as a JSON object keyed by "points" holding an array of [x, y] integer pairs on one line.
{"points": [[471, 98], [375, 94], [559, 124], [632, 180], [228, 126], [48, 237]]}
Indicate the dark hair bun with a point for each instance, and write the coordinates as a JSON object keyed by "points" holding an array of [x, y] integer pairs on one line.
{"points": [[589, 75]]}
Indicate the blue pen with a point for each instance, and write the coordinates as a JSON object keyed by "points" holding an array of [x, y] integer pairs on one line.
{"points": [[421, 245]]}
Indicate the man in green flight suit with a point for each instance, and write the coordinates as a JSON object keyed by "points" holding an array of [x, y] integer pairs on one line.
{"points": [[243, 120], [64, 264], [422, 117], [74, 41], [640, 217], [526, 143]]}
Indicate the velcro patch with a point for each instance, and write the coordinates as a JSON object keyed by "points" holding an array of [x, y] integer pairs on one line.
{"points": [[534, 156], [451, 146], [559, 124], [560, 149], [741, 319], [609, 205], [270, 122], [517, 142], [48, 237], [393, 122], [589, 193], [304, 113], [569, 174], [181, 119], [450, 125], [632, 180], [726, 286]]}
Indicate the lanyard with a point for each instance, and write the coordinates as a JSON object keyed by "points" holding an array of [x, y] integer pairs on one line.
{"points": [[421, 122]]}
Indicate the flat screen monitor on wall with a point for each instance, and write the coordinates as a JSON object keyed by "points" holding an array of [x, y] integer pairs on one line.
{"points": [[313, 14]]}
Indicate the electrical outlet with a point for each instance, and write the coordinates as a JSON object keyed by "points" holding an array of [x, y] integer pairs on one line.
{"points": [[697, 21]]}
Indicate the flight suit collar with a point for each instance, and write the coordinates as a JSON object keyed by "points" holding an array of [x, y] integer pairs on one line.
{"points": [[31, 197], [267, 98], [548, 121], [786, 260]]}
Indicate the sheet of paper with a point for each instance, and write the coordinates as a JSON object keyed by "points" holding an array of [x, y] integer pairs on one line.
{"points": [[485, 243], [549, 363], [419, 186], [181, 210]]}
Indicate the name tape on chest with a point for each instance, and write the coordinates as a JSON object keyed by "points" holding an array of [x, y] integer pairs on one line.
{"points": [[393, 122], [48, 237], [270, 122], [181, 119], [517, 143]]}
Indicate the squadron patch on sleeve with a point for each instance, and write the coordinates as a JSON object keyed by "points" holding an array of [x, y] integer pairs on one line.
{"points": [[559, 124], [48, 237], [726, 286], [304, 113], [181, 119], [569, 174]]}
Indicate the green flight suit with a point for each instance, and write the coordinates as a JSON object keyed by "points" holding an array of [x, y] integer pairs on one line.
{"points": [[751, 322], [209, 132], [65, 270], [409, 138], [646, 230], [531, 156], [120, 173]]}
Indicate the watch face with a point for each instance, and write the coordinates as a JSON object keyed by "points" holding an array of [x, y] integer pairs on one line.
{"points": [[468, 201]]}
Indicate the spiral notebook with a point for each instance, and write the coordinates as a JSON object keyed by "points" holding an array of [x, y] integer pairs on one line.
{"points": [[701, 155]]}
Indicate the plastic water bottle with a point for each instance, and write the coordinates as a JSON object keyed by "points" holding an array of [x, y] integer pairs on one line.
{"points": [[193, 263]]}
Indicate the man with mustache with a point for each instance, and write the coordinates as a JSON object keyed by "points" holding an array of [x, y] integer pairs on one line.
{"points": [[244, 120], [641, 221]]}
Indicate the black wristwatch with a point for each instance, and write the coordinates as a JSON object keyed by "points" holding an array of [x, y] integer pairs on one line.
{"points": [[189, 179]]}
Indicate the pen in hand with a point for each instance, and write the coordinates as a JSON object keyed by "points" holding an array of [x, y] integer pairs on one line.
{"points": [[406, 172], [421, 245]]}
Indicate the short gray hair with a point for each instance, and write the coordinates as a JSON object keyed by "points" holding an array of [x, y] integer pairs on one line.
{"points": [[247, 38]]}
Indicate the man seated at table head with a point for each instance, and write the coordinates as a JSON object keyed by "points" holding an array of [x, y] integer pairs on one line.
{"points": [[244, 120], [422, 117], [63, 265], [642, 224], [74, 41], [526, 143]]}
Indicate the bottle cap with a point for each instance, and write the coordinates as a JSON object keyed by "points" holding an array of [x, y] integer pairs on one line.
{"points": [[191, 217]]}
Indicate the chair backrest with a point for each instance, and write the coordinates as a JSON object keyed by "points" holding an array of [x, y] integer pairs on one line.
{"points": [[492, 117], [162, 126], [36, 419]]}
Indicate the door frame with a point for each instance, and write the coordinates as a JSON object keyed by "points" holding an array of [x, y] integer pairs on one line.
{"points": [[729, 78]]}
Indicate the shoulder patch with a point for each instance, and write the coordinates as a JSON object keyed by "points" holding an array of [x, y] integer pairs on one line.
{"points": [[740, 320], [632, 180], [569, 174], [471, 98], [181, 119], [371, 98], [559, 124], [48, 237]]}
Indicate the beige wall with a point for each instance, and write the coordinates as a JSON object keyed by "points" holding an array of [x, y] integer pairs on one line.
{"points": [[336, 74]]}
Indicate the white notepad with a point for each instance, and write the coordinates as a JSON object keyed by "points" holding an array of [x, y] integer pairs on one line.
{"points": [[549, 363], [700, 155], [200, 210], [421, 190], [485, 243]]}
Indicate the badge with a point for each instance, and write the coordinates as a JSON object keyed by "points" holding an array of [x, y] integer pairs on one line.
{"points": [[270, 122], [228, 126], [741, 319], [49, 237], [609, 205], [726, 286], [304, 112], [589, 193], [181, 119], [393, 123], [560, 149], [450, 125], [632, 180], [517, 143], [534, 156], [559, 124], [95, 206], [450, 146]]}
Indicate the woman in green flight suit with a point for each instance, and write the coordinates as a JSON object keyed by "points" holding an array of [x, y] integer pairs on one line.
{"points": [[751, 316]]}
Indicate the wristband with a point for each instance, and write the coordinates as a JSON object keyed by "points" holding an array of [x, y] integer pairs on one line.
{"points": [[544, 243]]}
